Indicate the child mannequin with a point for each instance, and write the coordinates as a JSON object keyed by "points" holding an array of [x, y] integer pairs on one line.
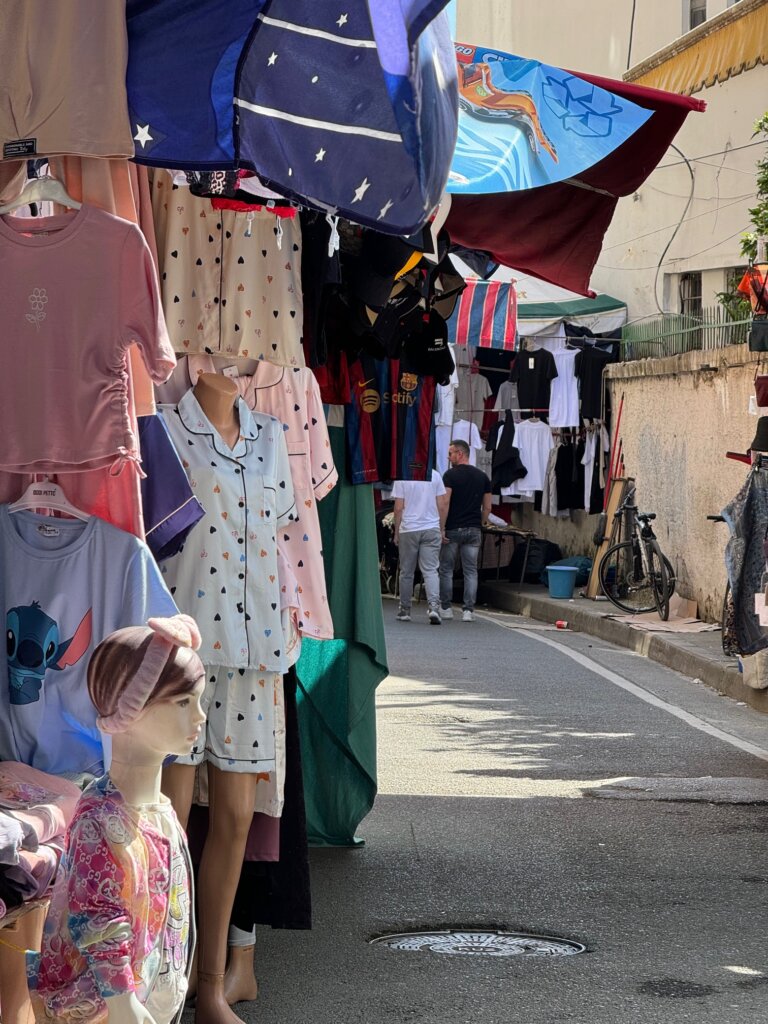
{"points": [[119, 933]]}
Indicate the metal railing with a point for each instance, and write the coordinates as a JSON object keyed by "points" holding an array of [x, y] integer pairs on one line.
{"points": [[675, 333]]}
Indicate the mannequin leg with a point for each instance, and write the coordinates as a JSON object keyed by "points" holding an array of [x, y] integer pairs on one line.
{"points": [[27, 933], [231, 797], [240, 984]]}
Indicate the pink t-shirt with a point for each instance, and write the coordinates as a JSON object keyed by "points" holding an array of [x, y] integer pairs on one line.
{"points": [[77, 290]]}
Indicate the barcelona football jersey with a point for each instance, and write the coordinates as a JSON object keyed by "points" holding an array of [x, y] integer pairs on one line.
{"points": [[389, 421]]}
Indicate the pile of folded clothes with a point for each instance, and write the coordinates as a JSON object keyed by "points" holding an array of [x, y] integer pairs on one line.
{"points": [[35, 810]]}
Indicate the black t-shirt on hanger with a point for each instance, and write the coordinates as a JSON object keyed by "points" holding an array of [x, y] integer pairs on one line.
{"points": [[588, 368], [533, 373]]}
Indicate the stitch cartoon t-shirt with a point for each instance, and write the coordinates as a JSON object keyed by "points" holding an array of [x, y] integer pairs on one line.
{"points": [[64, 585]]}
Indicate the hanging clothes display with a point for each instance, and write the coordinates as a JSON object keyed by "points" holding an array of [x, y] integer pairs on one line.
{"points": [[231, 282], [507, 399], [588, 367], [87, 282], [64, 79], [534, 441], [461, 430], [226, 577], [338, 678], [389, 421], [293, 397], [564, 394], [170, 506], [747, 518], [66, 585], [533, 372], [474, 388], [506, 464]]}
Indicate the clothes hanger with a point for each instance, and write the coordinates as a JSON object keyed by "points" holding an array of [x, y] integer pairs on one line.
{"points": [[42, 190], [50, 496]]}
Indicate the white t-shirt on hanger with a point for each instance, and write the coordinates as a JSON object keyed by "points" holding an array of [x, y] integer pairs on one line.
{"points": [[564, 395], [462, 430], [534, 442]]}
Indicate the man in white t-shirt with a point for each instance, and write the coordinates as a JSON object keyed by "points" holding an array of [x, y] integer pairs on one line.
{"points": [[421, 508]]}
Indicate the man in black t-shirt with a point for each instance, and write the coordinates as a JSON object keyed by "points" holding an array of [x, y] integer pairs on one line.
{"points": [[469, 492]]}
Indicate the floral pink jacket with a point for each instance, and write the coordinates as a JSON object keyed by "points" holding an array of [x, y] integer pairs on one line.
{"points": [[109, 908]]}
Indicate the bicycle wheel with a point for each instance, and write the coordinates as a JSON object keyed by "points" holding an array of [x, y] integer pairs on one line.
{"points": [[623, 579], [659, 578]]}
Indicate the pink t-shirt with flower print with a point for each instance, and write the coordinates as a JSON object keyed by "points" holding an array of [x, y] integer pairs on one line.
{"points": [[77, 290]]}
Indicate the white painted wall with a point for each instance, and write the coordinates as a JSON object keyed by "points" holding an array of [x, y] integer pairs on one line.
{"points": [[724, 190], [584, 36]]}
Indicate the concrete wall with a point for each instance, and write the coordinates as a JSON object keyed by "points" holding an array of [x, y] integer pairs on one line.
{"points": [[679, 419]]}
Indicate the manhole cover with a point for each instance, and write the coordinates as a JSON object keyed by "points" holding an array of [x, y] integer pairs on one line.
{"points": [[477, 943]]}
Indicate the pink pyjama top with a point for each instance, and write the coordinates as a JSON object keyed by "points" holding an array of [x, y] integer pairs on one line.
{"points": [[77, 290]]}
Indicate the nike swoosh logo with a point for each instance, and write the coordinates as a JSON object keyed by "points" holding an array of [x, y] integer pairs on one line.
{"points": [[364, 383]]}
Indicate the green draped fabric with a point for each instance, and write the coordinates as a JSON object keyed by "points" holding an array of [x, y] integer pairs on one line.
{"points": [[338, 678]]}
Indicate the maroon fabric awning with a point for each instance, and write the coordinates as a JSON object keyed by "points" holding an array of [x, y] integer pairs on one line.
{"points": [[555, 232]]}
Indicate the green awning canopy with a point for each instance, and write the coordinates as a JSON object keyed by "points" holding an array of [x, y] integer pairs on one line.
{"points": [[602, 314]]}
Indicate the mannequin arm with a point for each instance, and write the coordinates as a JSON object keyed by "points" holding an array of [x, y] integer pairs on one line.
{"points": [[126, 1009]]}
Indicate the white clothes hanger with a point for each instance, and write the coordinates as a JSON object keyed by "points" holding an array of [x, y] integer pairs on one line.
{"points": [[50, 496], [42, 190]]}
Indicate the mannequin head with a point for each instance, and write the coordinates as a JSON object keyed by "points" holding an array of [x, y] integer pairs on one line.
{"points": [[146, 682]]}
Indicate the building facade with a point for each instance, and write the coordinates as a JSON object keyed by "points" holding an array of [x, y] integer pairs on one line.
{"points": [[701, 193]]}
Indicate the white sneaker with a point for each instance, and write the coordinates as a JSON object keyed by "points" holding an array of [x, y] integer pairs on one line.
{"points": [[467, 616], [446, 613], [434, 616], [403, 615]]}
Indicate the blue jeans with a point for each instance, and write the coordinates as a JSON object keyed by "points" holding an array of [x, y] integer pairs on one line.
{"points": [[466, 543]]}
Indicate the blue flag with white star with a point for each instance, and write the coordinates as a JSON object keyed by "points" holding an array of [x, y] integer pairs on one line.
{"points": [[523, 124], [351, 105]]}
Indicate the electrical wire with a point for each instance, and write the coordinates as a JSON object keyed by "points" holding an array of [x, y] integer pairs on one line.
{"points": [[674, 233], [631, 33], [704, 213], [700, 199], [696, 159], [606, 266]]}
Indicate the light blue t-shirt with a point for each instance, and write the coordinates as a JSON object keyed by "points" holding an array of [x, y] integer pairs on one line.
{"points": [[65, 585]]}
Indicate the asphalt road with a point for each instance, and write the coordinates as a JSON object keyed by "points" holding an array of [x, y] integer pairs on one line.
{"points": [[502, 755]]}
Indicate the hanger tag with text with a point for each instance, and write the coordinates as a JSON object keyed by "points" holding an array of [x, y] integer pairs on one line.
{"points": [[19, 147]]}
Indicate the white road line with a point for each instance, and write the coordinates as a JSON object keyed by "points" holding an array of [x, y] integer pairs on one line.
{"points": [[638, 691]]}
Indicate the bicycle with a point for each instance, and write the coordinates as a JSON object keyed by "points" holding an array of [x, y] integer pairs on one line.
{"points": [[635, 574]]}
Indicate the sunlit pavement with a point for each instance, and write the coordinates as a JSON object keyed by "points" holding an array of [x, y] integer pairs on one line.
{"points": [[530, 786]]}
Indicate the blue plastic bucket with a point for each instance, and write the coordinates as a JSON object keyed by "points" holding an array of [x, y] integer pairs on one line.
{"points": [[562, 580]]}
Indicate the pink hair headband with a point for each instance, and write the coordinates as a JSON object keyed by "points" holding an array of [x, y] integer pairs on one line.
{"points": [[179, 631]]}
